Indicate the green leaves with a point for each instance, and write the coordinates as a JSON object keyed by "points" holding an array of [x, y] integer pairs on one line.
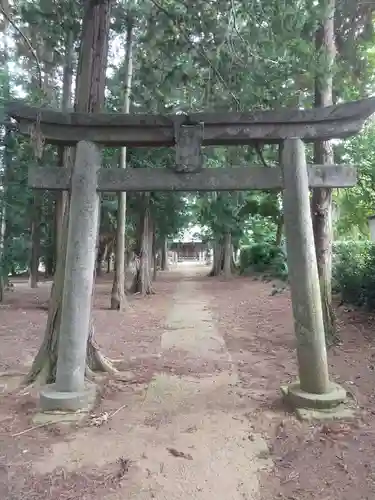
{"points": [[206, 54], [354, 272], [356, 204], [265, 205]]}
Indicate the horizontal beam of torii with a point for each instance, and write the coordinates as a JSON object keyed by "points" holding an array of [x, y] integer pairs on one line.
{"points": [[227, 128], [208, 179]]}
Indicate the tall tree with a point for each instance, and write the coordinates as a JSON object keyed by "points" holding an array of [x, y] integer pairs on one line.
{"points": [[321, 202], [4, 158], [44, 53], [118, 288], [4, 166], [142, 282], [89, 98], [64, 153]]}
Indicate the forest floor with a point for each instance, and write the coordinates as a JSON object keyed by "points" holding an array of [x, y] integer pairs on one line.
{"points": [[202, 417]]}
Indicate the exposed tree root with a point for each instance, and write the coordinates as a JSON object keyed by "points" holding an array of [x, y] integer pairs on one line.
{"points": [[118, 298], [329, 318], [219, 262], [43, 369], [96, 363], [138, 286]]}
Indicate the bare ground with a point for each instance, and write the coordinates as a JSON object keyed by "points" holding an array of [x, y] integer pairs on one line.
{"points": [[203, 417]]}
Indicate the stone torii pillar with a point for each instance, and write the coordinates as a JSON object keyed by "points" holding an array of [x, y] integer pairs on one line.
{"points": [[70, 392], [314, 390]]}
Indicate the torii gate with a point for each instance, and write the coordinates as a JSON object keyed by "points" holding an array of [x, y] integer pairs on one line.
{"points": [[289, 127]]}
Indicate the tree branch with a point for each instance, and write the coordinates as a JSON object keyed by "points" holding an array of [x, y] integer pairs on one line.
{"points": [[201, 51], [28, 43]]}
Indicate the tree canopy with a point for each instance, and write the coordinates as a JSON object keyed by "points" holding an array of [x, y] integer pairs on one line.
{"points": [[187, 56]]}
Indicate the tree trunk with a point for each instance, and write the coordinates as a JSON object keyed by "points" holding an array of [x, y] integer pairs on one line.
{"points": [[46, 54], [154, 256], [118, 297], [99, 262], [142, 282], [228, 255], [321, 203], [43, 368], [164, 256], [218, 259], [104, 257], [100, 257], [2, 249], [62, 197], [3, 271], [223, 260], [89, 98], [280, 218], [279, 231], [150, 242], [128, 257], [4, 266], [5, 160], [35, 241], [49, 266]]}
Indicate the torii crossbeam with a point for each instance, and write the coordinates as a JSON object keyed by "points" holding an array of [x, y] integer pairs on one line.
{"points": [[137, 130]]}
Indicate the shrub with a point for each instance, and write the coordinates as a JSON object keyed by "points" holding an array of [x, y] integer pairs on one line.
{"points": [[353, 268], [354, 272], [265, 258]]}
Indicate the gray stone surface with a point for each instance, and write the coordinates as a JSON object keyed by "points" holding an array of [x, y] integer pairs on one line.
{"points": [[341, 412], [79, 272], [303, 271], [299, 398], [59, 417], [137, 130], [51, 399], [163, 179]]}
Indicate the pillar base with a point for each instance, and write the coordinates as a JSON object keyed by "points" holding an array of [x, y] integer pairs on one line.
{"points": [[53, 400], [298, 398]]}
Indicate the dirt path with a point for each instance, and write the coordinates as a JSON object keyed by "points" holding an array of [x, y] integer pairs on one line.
{"points": [[203, 418], [187, 437], [330, 461]]}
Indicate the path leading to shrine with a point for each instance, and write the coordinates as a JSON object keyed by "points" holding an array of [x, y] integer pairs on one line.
{"points": [[188, 437], [202, 416]]}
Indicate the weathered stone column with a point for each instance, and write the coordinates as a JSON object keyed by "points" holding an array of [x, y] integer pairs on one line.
{"points": [[69, 392], [314, 389]]}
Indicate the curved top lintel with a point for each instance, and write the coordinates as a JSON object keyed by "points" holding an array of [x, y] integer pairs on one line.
{"points": [[337, 121]]}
